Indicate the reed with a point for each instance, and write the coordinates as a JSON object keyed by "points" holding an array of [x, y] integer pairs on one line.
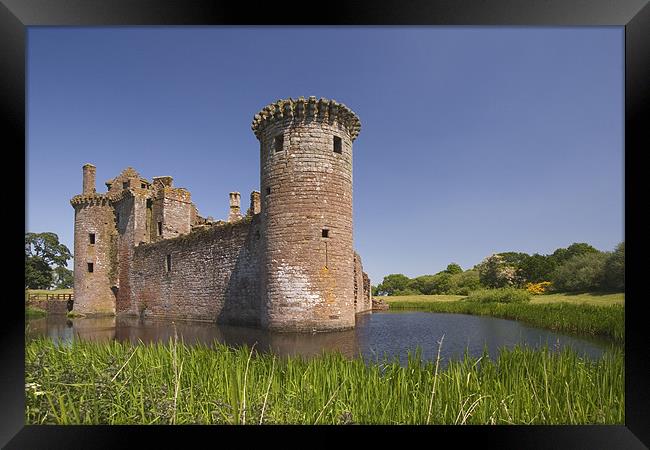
{"points": [[608, 321], [121, 383]]}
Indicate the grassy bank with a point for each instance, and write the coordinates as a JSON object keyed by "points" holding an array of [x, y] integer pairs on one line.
{"points": [[596, 299], [34, 313], [608, 321], [119, 383]]}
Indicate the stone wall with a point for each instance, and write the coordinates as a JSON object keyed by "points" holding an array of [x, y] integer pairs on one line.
{"points": [[362, 301], [94, 215], [214, 275], [306, 191]]}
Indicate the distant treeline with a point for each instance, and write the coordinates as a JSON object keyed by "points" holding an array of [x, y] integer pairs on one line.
{"points": [[577, 268]]}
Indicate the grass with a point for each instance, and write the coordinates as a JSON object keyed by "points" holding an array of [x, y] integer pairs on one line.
{"points": [[422, 298], [582, 299], [34, 313], [605, 299], [121, 383], [606, 321]]}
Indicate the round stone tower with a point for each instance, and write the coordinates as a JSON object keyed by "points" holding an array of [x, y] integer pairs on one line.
{"points": [[307, 260], [94, 249]]}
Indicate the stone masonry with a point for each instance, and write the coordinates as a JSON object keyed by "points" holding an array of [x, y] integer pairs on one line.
{"points": [[286, 264]]}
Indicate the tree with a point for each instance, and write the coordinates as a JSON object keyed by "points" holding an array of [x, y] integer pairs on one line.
{"points": [[393, 283], [38, 274], [562, 255], [580, 273], [514, 259], [495, 273], [465, 282], [614, 271], [63, 278], [537, 268], [453, 269], [43, 255], [424, 284]]}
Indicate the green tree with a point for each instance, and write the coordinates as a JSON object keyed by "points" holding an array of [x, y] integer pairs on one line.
{"points": [[580, 273], [63, 278], [393, 283], [494, 272], [453, 269], [465, 282], [537, 268], [614, 271], [43, 255], [38, 274], [562, 255], [514, 259], [424, 284]]}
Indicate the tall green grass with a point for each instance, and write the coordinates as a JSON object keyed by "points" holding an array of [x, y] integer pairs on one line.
{"points": [[121, 383], [501, 295], [32, 312], [608, 321]]}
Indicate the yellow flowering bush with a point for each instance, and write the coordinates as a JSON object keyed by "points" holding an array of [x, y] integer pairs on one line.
{"points": [[538, 288]]}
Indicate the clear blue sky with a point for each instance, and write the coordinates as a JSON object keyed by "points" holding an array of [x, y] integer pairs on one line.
{"points": [[474, 140]]}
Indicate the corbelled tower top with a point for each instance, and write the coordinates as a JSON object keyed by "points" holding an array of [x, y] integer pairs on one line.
{"points": [[307, 109]]}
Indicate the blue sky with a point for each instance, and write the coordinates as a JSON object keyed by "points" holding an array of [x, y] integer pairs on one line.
{"points": [[474, 140]]}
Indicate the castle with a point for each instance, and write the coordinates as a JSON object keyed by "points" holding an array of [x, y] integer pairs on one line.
{"points": [[287, 264]]}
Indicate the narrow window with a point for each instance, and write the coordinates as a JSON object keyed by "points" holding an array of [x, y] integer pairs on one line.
{"points": [[168, 263], [159, 228], [90, 267], [143, 186], [325, 233], [91, 238], [337, 145], [125, 185], [268, 190], [278, 143]]}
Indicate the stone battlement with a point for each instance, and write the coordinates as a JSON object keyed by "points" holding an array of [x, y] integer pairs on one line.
{"points": [[322, 110], [285, 263]]}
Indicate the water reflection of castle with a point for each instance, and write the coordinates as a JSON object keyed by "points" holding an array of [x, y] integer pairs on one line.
{"points": [[136, 330]]}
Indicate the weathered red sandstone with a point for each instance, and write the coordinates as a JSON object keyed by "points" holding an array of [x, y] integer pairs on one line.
{"points": [[288, 264]]}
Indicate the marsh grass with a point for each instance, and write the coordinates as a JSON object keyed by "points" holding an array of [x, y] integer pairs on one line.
{"points": [[608, 321], [122, 383], [32, 312]]}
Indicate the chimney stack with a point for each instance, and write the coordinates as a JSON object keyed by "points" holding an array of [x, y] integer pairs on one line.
{"points": [[256, 205], [89, 179], [235, 210]]}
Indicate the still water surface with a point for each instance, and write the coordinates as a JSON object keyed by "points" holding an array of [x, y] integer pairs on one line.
{"points": [[391, 334]]}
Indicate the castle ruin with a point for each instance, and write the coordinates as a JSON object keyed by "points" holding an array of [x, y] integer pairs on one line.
{"points": [[286, 264]]}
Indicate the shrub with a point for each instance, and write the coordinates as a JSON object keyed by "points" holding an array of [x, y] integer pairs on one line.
{"points": [[581, 273], [538, 288], [501, 295], [614, 275]]}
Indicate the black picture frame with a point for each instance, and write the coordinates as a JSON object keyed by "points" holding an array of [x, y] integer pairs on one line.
{"points": [[634, 15]]}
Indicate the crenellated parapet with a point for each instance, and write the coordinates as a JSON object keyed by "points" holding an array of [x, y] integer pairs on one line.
{"points": [[307, 109], [91, 199]]}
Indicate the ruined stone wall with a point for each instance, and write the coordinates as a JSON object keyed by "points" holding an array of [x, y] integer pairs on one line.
{"points": [[306, 190], [94, 215], [214, 275], [367, 292], [362, 301], [172, 213]]}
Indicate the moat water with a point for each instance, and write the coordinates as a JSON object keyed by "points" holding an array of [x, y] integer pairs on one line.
{"points": [[390, 334]]}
